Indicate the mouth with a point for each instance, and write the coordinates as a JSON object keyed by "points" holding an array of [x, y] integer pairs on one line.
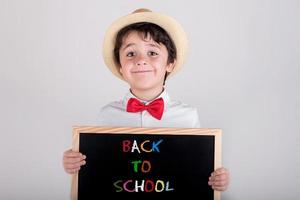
{"points": [[141, 71]]}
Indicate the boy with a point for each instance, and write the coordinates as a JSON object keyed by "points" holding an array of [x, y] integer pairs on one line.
{"points": [[144, 49]]}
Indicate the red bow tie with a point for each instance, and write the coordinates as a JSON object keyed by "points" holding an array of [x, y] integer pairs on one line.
{"points": [[155, 108]]}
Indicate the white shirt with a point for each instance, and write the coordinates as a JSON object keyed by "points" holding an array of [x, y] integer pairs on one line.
{"points": [[176, 114]]}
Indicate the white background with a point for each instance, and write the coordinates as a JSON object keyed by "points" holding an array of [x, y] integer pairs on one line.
{"points": [[242, 73]]}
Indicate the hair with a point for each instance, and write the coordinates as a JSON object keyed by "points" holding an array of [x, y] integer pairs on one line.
{"points": [[157, 33]]}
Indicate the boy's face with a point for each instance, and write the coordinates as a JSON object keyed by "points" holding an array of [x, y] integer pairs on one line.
{"points": [[143, 62]]}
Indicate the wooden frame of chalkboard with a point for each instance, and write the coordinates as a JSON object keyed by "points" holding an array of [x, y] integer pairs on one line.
{"points": [[152, 161]]}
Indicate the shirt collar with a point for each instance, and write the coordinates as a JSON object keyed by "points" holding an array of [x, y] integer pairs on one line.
{"points": [[164, 95]]}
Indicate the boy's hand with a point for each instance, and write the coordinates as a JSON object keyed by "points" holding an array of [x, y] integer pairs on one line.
{"points": [[219, 179], [72, 161]]}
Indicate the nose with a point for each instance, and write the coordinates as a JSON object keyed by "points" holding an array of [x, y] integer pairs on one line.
{"points": [[141, 61]]}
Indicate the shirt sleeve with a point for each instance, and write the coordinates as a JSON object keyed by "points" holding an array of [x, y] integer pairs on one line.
{"points": [[100, 117], [196, 123]]}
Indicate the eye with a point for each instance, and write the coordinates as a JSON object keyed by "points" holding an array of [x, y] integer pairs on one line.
{"points": [[152, 53], [130, 54]]}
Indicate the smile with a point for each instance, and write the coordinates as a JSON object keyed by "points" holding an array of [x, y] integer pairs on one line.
{"points": [[141, 71]]}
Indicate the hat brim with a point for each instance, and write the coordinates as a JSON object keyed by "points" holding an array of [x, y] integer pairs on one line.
{"points": [[170, 25]]}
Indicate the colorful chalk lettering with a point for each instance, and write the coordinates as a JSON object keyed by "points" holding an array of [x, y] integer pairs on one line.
{"points": [[129, 146], [144, 166], [147, 185]]}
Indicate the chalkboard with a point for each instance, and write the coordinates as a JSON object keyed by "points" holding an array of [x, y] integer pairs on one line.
{"points": [[142, 163]]}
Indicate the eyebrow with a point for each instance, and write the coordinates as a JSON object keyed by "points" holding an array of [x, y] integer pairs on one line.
{"points": [[128, 45], [154, 45], [132, 44]]}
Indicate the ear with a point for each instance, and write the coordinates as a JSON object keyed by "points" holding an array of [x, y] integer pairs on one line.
{"points": [[171, 66]]}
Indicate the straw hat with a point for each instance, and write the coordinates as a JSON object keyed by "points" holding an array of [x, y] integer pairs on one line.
{"points": [[170, 25]]}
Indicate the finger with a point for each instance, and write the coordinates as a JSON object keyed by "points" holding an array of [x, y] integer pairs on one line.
{"points": [[74, 165], [220, 177], [72, 160], [220, 183], [211, 180], [220, 180], [220, 170], [70, 154]]}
